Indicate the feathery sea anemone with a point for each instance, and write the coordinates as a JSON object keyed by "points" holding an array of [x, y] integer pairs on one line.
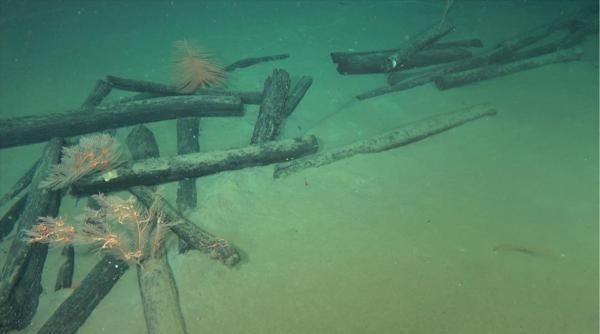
{"points": [[94, 153], [195, 68]]}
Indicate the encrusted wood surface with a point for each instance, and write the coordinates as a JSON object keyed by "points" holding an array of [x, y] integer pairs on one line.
{"points": [[376, 62], [160, 297], [188, 131], [64, 277], [32, 129], [191, 233], [398, 60], [12, 215], [253, 60], [22, 183], [505, 51], [272, 109], [496, 70], [135, 85], [343, 56], [167, 169], [149, 90], [97, 95], [389, 140], [296, 95], [142, 143], [75, 310], [20, 278]]}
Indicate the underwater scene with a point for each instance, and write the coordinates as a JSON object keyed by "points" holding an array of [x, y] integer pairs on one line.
{"points": [[335, 166]]}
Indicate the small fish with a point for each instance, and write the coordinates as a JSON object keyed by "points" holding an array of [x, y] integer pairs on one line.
{"points": [[533, 251]]}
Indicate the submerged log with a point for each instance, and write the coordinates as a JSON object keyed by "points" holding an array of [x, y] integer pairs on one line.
{"points": [[32, 129], [188, 131], [9, 219], [574, 38], [253, 60], [142, 86], [436, 56], [20, 278], [100, 91], [272, 109], [504, 52], [576, 35], [97, 95], [151, 89], [167, 169], [158, 290], [496, 70], [296, 95], [345, 56], [462, 43], [75, 310], [218, 248], [64, 278], [405, 135], [20, 307], [411, 82], [377, 62], [399, 82], [398, 77], [142, 143], [21, 184], [398, 59], [160, 297], [247, 97], [342, 56]]}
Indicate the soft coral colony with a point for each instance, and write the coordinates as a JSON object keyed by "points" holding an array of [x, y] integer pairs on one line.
{"points": [[93, 154], [121, 227]]}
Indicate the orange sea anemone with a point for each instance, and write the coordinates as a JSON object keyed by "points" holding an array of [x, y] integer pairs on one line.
{"points": [[195, 68]]}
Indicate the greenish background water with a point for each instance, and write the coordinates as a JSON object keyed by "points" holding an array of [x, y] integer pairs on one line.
{"points": [[396, 242]]}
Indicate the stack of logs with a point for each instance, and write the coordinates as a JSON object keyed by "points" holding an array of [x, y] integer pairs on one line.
{"points": [[20, 285], [451, 65], [20, 278]]}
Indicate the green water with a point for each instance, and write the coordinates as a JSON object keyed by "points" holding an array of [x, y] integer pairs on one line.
{"points": [[396, 242]]}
